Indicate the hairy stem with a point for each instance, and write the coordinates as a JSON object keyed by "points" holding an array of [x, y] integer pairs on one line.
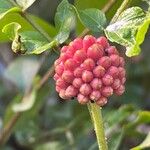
{"points": [[123, 6], [96, 116]]}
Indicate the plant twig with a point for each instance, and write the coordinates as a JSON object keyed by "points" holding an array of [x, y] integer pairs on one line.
{"points": [[96, 116], [35, 25], [46, 76], [108, 5], [8, 128], [120, 10]]}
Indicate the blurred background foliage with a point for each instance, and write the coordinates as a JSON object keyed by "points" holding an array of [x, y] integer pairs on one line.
{"points": [[52, 124]]}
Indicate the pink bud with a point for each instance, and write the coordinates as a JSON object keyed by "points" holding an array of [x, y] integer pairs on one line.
{"points": [[120, 90], [115, 60], [116, 84], [103, 41], [62, 94], [64, 49], [59, 69], [57, 62], [123, 80], [87, 76], [78, 72], [79, 56], [88, 41], [71, 50], [105, 62], [82, 99], [88, 64], [58, 89], [85, 89], [56, 77], [95, 51], [122, 72], [77, 82], [71, 91], [112, 50], [68, 76], [70, 64], [98, 71], [101, 101], [122, 62], [77, 44], [61, 83], [107, 91], [95, 95], [107, 79], [113, 71], [64, 56], [96, 84]]}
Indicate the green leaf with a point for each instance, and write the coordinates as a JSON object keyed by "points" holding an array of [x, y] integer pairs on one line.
{"points": [[92, 18], [116, 139], [129, 30], [51, 146], [22, 71], [26, 26], [27, 42], [12, 30], [9, 112], [145, 144], [7, 6], [24, 4], [27, 102], [64, 20]]}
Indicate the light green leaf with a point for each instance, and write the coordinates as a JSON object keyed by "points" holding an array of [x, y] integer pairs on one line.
{"points": [[27, 42], [129, 30], [7, 6], [27, 102], [145, 144], [92, 18], [26, 26], [12, 33], [24, 4], [22, 71], [64, 20], [51, 146]]}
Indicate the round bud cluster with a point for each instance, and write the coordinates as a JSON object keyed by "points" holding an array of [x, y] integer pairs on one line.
{"points": [[90, 70]]}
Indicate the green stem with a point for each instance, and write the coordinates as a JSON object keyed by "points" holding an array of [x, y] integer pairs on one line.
{"points": [[120, 10], [96, 116]]}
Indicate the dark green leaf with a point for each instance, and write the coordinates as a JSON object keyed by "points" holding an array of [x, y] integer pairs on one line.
{"points": [[115, 139], [24, 4], [129, 30], [93, 19], [64, 20], [145, 144], [7, 6]]}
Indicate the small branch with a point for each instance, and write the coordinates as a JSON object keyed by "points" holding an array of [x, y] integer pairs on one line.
{"points": [[123, 6], [8, 128], [47, 75], [97, 120], [108, 5], [35, 25]]}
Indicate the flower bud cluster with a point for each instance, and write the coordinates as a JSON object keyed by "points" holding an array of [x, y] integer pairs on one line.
{"points": [[90, 70]]}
